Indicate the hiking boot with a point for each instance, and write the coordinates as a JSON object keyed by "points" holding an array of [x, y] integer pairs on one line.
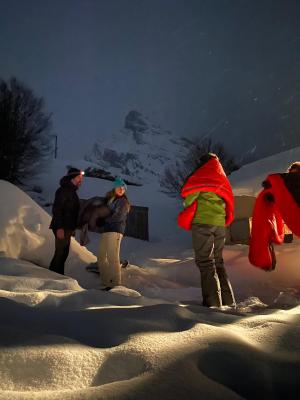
{"points": [[124, 263]]}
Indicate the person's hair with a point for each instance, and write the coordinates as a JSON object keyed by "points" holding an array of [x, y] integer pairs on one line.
{"points": [[295, 165], [109, 195], [73, 172], [206, 157]]}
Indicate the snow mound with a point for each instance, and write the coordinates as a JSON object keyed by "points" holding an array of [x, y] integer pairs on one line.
{"points": [[25, 232], [124, 291], [287, 298]]}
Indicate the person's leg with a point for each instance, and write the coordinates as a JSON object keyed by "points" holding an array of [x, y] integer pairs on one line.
{"points": [[103, 266], [62, 247], [226, 289], [113, 257], [203, 243]]}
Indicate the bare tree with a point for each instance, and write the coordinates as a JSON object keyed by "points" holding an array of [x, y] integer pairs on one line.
{"points": [[175, 176], [24, 131]]}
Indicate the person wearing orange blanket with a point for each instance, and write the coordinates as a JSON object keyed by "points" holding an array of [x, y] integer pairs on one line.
{"points": [[208, 202], [277, 203]]}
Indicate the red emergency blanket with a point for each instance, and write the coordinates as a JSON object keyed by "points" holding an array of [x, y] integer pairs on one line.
{"points": [[273, 206], [208, 178]]}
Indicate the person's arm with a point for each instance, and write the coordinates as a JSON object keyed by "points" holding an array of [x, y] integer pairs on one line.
{"points": [[119, 212], [57, 211], [190, 199]]}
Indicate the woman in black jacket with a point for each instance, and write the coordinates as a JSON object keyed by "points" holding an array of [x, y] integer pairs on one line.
{"points": [[113, 231]]}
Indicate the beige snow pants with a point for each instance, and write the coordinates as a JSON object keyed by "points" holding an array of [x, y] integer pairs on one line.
{"points": [[109, 258]]}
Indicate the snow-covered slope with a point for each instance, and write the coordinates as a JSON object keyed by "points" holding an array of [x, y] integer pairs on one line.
{"points": [[247, 180], [140, 151], [79, 345]]}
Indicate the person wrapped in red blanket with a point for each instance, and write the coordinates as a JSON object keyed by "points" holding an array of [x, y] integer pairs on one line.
{"points": [[277, 203], [208, 202]]}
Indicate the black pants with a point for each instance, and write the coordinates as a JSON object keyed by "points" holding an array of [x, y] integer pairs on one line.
{"points": [[62, 247]]}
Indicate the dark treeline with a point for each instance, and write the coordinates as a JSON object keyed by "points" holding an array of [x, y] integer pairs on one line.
{"points": [[25, 127], [175, 176]]}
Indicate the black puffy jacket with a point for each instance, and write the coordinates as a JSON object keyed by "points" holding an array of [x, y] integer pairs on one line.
{"points": [[65, 208], [292, 182]]}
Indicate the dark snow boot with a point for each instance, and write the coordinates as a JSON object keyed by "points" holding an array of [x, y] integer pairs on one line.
{"points": [[124, 263]]}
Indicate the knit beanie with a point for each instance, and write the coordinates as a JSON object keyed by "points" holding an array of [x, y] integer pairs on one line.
{"points": [[118, 182]]}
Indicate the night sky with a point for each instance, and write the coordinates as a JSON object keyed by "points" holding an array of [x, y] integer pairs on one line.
{"points": [[228, 69]]}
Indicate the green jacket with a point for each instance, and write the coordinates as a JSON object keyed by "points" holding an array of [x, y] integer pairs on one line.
{"points": [[210, 209]]}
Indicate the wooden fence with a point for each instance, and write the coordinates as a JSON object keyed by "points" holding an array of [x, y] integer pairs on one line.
{"points": [[137, 223]]}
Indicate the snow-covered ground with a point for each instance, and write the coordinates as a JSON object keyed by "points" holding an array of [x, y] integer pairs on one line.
{"points": [[63, 338]]}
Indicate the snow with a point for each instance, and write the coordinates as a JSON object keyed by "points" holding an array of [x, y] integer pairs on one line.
{"points": [[140, 151], [247, 180], [63, 338]]}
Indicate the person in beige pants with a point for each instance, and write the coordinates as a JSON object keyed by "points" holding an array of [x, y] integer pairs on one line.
{"points": [[109, 259], [110, 240]]}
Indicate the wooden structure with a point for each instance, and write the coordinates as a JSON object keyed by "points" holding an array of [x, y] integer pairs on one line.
{"points": [[240, 229], [137, 223]]}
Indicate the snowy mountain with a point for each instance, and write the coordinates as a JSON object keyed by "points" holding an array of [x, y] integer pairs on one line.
{"points": [[141, 150]]}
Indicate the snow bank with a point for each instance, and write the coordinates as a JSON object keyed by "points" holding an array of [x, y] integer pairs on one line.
{"points": [[77, 345], [25, 232]]}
